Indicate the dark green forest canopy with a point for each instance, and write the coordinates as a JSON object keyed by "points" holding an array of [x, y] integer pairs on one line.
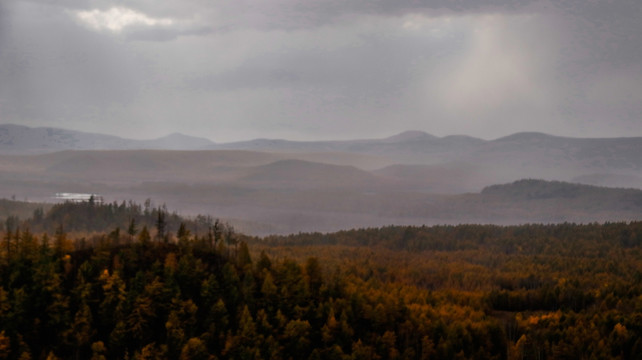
{"points": [[396, 292], [529, 238]]}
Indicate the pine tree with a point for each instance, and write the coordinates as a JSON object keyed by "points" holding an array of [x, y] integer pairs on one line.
{"points": [[161, 224], [131, 229]]}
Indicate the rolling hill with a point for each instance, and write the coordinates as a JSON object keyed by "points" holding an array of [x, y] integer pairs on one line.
{"points": [[600, 161], [300, 174], [283, 186], [278, 193]]}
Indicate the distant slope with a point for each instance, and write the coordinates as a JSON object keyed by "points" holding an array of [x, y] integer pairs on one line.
{"points": [[613, 180], [591, 197], [300, 174], [555, 201], [411, 147], [18, 139], [132, 166], [532, 189], [536, 155], [449, 178], [555, 156]]}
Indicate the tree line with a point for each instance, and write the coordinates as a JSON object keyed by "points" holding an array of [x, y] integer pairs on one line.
{"points": [[185, 290]]}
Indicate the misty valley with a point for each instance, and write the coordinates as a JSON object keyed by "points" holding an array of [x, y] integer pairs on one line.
{"points": [[267, 187], [407, 247]]}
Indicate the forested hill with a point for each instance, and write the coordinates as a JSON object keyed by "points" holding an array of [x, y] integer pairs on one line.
{"points": [[533, 189], [529, 239], [448, 292], [89, 217]]}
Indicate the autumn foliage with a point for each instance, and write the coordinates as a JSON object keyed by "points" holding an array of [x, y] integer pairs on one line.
{"points": [[449, 292]]}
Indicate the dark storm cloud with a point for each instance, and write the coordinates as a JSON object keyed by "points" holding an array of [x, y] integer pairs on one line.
{"points": [[285, 68], [65, 61]]}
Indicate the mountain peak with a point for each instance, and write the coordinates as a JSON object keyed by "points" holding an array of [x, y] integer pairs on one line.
{"points": [[526, 136], [410, 135]]}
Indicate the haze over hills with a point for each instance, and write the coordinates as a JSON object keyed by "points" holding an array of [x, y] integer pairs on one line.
{"points": [[273, 193], [284, 186], [598, 161], [19, 139]]}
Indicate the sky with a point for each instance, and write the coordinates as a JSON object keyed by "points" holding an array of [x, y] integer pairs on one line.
{"points": [[324, 69]]}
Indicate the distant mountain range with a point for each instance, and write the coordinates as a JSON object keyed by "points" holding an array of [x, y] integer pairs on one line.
{"points": [[287, 186], [413, 158], [19, 139]]}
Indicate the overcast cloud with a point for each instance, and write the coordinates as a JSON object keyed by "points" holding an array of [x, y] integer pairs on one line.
{"points": [[232, 70]]}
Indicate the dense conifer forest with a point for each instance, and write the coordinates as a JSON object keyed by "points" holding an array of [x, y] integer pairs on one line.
{"points": [[123, 281]]}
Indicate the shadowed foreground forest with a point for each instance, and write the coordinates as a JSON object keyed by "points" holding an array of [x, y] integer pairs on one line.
{"points": [[196, 290]]}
